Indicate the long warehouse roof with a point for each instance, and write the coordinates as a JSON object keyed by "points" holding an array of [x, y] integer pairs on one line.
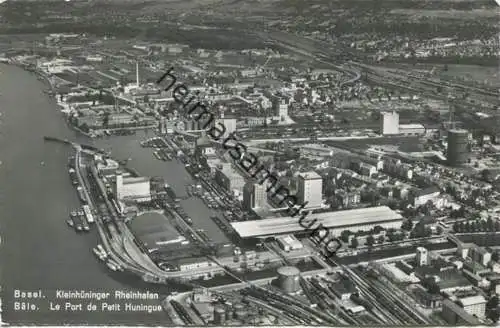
{"points": [[346, 218]]}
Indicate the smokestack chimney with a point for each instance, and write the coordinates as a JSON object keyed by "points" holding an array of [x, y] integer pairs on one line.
{"points": [[137, 73]]}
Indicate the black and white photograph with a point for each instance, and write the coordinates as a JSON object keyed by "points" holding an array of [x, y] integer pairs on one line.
{"points": [[170, 163]]}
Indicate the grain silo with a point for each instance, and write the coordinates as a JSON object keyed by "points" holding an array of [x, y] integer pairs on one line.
{"points": [[219, 315], [289, 279], [240, 314], [237, 307]]}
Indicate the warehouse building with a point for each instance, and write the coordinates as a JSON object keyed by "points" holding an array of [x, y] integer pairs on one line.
{"points": [[354, 220]]}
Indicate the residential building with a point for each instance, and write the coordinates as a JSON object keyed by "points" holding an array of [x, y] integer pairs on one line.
{"points": [[480, 255], [421, 197], [348, 199], [280, 106], [474, 305]]}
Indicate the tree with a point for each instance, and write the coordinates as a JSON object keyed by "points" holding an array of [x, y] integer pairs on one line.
{"points": [[490, 224], [84, 127], [494, 315], [370, 240], [484, 225], [492, 303], [105, 119], [354, 242], [474, 226], [344, 235], [418, 231], [407, 225], [434, 288]]}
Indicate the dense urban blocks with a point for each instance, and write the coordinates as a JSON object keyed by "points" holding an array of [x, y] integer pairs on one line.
{"points": [[249, 161]]}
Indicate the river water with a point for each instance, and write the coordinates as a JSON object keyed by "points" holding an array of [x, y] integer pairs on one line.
{"points": [[38, 250]]}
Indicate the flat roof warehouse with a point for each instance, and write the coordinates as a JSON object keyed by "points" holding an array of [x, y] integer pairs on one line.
{"points": [[336, 220]]}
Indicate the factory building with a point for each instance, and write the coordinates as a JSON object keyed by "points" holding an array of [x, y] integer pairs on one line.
{"points": [[344, 289], [389, 123], [354, 220], [456, 315], [230, 180], [219, 315], [228, 123], [315, 150], [254, 196], [289, 279], [412, 129], [457, 152], [106, 166], [310, 189], [131, 188], [289, 243]]}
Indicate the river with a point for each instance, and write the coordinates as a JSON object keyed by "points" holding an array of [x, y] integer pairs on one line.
{"points": [[38, 250]]}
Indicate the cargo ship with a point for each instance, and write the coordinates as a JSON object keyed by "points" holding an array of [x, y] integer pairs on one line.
{"points": [[96, 252], [85, 226], [73, 177], [81, 194], [77, 223], [111, 266], [71, 220], [102, 251], [115, 264], [88, 214]]}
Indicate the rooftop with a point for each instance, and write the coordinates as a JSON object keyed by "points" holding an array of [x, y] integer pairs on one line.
{"points": [[310, 175], [411, 126], [152, 228], [472, 300], [461, 312], [290, 225], [130, 180]]}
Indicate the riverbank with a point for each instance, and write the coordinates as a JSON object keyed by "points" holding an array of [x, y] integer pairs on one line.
{"points": [[39, 251]]}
